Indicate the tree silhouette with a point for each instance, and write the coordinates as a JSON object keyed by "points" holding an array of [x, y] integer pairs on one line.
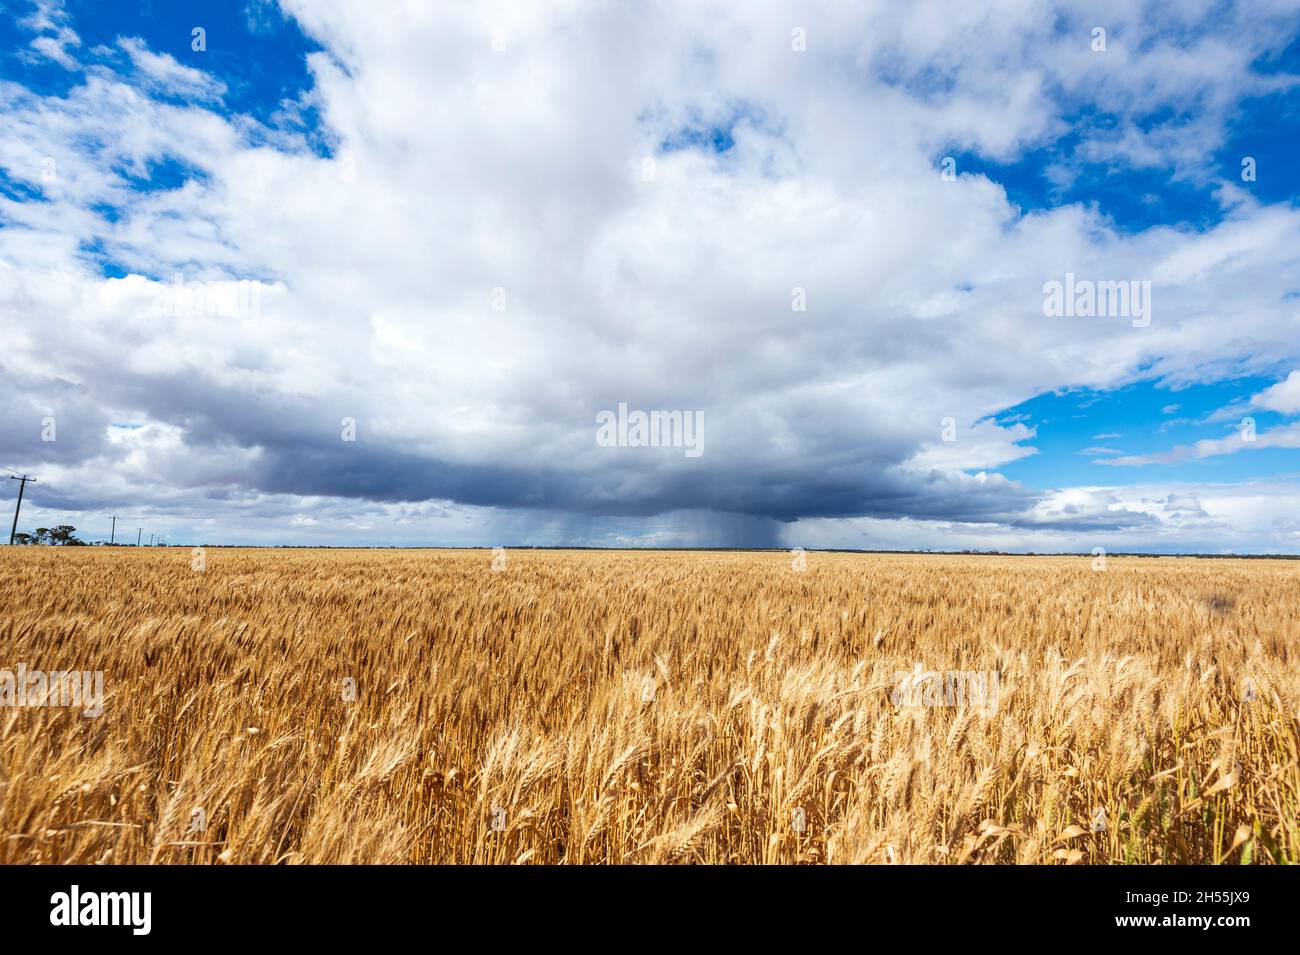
{"points": [[59, 536]]}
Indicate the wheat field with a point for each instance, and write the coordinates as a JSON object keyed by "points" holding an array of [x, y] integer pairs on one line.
{"points": [[589, 707]]}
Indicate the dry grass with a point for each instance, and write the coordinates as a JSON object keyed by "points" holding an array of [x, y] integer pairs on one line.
{"points": [[519, 698]]}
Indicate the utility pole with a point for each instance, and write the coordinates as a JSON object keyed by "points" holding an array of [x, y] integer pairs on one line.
{"points": [[138, 535], [22, 484], [113, 536]]}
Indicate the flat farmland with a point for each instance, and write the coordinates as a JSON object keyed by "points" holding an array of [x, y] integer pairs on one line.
{"points": [[456, 706]]}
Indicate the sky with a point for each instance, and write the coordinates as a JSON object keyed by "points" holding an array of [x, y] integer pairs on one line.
{"points": [[1011, 275]]}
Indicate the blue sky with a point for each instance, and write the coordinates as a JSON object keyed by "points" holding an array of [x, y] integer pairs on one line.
{"points": [[1077, 430], [258, 53], [473, 230]]}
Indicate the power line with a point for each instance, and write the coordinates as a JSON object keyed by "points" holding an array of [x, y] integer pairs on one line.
{"points": [[57, 501], [60, 502]]}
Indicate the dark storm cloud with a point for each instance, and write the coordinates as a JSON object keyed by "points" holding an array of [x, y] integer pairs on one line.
{"points": [[294, 447]]}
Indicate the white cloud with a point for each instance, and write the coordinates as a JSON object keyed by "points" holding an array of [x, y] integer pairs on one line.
{"points": [[1198, 518], [163, 74], [1283, 397], [1286, 436], [49, 20]]}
